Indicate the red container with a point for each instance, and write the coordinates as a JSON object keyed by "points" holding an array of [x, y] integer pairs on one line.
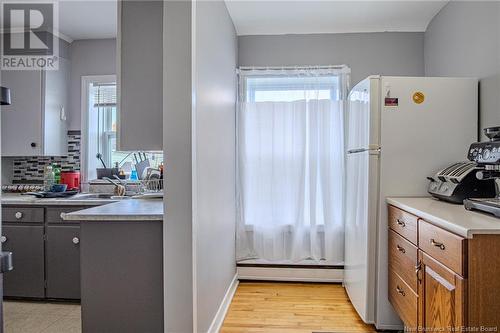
{"points": [[71, 178]]}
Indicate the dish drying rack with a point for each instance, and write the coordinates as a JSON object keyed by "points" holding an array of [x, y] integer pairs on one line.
{"points": [[151, 185]]}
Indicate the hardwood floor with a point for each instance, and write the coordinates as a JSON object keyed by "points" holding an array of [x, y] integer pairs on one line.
{"points": [[292, 307]]}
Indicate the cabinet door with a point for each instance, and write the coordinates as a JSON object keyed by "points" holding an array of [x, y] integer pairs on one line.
{"points": [[63, 261], [26, 244], [55, 141], [22, 120], [442, 297]]}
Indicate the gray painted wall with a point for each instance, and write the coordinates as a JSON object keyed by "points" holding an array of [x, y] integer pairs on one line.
{"points": [[388, 53], [177, 228], [463, 39], [140, 75], [214, 164], [88, 57]]}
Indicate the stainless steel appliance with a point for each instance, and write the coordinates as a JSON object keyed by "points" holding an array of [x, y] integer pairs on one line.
{"points": [[487, 155], [459, 182]]}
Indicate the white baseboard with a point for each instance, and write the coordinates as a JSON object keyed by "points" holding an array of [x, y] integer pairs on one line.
{"points": [[290, 274], [224, 306]]}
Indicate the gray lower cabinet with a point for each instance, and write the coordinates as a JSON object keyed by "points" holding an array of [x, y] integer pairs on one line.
{"points": [[122, 276], [27, 245], [63, 261], [45, 252]]}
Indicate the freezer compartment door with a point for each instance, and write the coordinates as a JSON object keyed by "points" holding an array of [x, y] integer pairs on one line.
{"points": [[360, 231], [363, 116]]}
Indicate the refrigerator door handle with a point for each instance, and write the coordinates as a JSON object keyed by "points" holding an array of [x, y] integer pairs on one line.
{"points": [[354, 151], [360, 150]]}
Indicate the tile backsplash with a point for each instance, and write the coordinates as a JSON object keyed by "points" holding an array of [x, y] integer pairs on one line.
{"points": [[30, 169]]}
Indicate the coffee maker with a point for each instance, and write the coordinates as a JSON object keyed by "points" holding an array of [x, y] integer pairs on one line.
{"points": [[487, 156]]}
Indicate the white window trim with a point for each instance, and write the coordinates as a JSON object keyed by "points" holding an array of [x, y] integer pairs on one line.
{"points": [[86, 81]]}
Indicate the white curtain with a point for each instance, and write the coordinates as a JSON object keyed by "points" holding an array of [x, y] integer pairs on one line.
{"points": [[291, 164]]}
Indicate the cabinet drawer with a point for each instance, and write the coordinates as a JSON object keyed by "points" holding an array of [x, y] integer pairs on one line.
{"points": [[442, 245], [22, 214], [403, 223], [403, 299], [403, 258], [54, 213]]}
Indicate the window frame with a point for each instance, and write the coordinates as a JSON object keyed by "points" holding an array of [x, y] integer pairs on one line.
{"points": [[248, 93], [86, 81]]}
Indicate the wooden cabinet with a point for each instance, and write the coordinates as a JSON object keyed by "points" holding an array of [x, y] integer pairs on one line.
{"points": [[446, 247], [35, 123], [442, 296], [140, 75], [446, 283], [403, 298], [403, 223]]}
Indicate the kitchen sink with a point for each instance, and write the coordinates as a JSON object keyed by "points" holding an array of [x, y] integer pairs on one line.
{"points": [[96, 196]]}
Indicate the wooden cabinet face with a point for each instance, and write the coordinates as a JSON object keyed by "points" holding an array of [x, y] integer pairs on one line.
{"points": [[26, 244], [442, 297]]}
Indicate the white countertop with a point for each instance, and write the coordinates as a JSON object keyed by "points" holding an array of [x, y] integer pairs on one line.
{"points": [[124, 210], [452, 217], [18, 199]]}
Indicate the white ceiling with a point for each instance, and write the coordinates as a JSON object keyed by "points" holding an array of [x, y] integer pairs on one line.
{"points": [[88, 19], [260, 17], [85, 19]]}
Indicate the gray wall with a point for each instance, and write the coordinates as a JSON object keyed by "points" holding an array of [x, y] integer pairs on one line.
{"points": [[463, 39], [388, 53], [140, 77], [177, 228], [214, 164], [88, 57]]}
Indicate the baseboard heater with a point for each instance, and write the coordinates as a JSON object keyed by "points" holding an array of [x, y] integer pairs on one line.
{"points": [[290, 272]]}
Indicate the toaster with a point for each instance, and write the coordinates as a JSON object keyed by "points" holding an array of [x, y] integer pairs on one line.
{"points": [[459, 182]]}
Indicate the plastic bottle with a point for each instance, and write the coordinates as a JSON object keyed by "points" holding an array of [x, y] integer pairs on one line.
{"points": [[57, 173], [48, 178]]}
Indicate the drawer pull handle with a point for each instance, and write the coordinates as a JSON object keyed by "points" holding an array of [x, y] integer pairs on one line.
{"points": [[76, 240], [3, 239], [400, 291], [18, 215], [400, 249], [401, 223], [437, 244], [418, 268]]}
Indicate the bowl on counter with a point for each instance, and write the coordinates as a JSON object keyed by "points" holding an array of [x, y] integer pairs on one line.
{"points": [[59, 188]]}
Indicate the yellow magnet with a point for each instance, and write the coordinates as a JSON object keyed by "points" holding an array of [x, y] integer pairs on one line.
{"points": [[418, 97]]}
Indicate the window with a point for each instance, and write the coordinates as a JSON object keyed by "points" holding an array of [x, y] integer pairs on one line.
{"points": [[99, 119], [290, 163], [291, 88], [104, 104]]}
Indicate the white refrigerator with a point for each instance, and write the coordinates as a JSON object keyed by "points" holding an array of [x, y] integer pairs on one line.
{"points": [[399, 131]]}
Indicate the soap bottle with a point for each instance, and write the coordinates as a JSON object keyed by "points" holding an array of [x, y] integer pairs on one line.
{"points": [[48, 178], [57, 173]]}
